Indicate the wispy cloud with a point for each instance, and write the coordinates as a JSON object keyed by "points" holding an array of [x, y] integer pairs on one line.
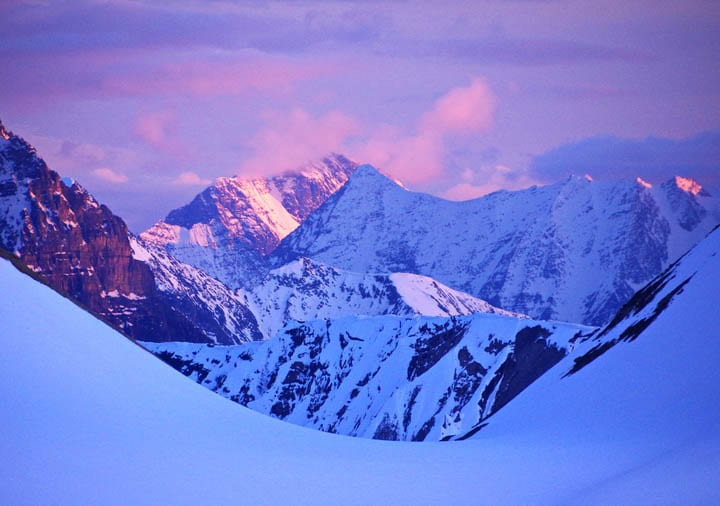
{"points": [[110, 175], [287, 28], [191, 179], [464, 109], [106, 75], [419, 156], [231, 74], [292, 138], [510, 50], [155, 127], [412, 155], [483, 180], [160, 130]]}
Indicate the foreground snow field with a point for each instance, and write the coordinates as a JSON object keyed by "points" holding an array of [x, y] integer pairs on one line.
{"points": [[90, 418]]}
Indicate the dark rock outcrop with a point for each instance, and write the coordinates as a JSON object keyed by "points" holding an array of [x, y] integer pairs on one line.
{"points": [[84, 251]]}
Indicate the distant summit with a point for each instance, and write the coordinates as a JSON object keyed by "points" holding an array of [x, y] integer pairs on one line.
{"points": [[690, 185], [3, 132], [572, 251], [232, 224]]}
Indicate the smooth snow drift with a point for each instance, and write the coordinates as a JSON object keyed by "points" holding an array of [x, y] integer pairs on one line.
{"points": [[90, 418]]}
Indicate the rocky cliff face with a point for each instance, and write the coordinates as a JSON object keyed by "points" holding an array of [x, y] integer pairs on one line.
{"points": [[384, 377], [653, 300], [80, 248], [229, 227]]}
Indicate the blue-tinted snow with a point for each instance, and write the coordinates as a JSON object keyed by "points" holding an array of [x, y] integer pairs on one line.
{"points": [[90, 418]]}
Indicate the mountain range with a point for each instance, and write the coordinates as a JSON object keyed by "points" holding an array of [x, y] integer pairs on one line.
{"points": [[334, 298], [88, 417], [383, 377], [573, 251], [393, 377], [79, 247]]}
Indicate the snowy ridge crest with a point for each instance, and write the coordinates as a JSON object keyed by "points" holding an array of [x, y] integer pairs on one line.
{"points": [[572, 251], [307, 290]]}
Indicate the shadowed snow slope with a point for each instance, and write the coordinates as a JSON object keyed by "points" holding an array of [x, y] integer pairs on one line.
{"points": [[90, 418], [647, 385]]}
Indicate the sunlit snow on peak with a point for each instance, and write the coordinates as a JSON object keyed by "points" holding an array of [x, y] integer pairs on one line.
{"points": [[687, 184], [642, 182]]}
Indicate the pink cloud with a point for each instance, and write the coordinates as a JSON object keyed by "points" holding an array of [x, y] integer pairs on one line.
{"points": [[476, 183], [155, 127], [465, 109], [465, 191], [160, 130], [82, 160], [108, 73], [226, 77], [191, 179], [419, 157], [110, 175], [410, 158], [291, 139]]}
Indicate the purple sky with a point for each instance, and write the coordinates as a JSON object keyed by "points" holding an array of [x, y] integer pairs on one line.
{"points": [[145, 102]]}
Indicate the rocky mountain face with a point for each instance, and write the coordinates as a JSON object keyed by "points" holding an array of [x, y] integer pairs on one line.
{"points": [[384, 377], [81, 249], [229, 227], [424, 378], [654, 299], [573, 251], [647, 381]]}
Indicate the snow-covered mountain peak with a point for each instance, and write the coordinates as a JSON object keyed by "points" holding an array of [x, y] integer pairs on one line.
{"points": [[572, 251], [689, 185], [305, 289], [578, 179], [368, 176], [3, 132], [56, 229], [232, 224], [642, 182], [366, 170]]}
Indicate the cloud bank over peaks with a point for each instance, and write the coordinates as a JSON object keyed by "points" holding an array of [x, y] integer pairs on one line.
{"points": [[484, 180], [413, 155], [420, 157], [290, 139], [654, 159]]}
